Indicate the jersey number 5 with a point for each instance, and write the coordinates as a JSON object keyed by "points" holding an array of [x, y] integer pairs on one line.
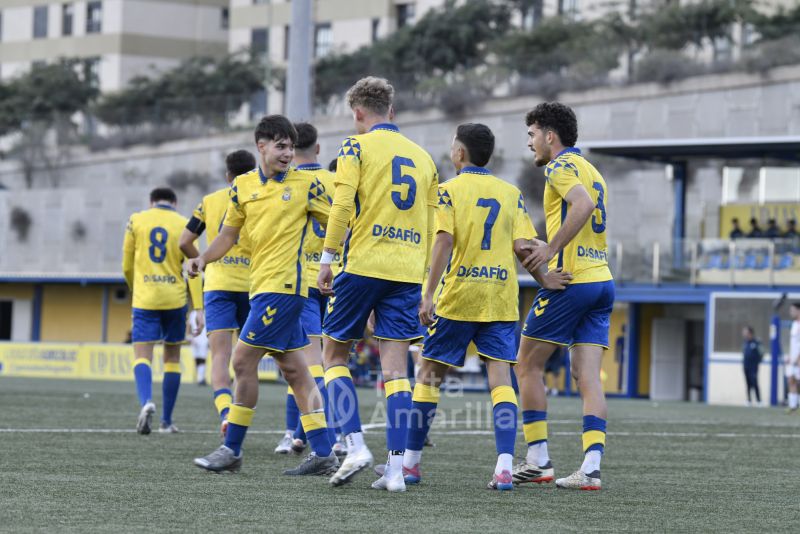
{"points": [[158, 244], [491, 218], [599, 227], [398, 178]]}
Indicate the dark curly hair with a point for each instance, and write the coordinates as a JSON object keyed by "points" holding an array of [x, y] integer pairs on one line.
{"points": [[557, 117]]}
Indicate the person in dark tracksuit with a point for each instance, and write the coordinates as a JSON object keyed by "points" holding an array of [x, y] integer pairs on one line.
{"points": [[752, 353]]}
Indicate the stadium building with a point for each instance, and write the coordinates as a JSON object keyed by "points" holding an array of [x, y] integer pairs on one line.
{"points": [[116, 39]]}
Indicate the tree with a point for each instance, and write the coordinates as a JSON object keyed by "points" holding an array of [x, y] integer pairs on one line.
{"points": [[202, 88], [444, 40], [39, 106]]}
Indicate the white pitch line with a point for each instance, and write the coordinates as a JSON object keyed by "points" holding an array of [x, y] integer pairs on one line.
{"points": [[372, 426]]}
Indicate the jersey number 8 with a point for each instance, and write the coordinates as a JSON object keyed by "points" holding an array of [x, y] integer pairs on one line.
{"points": [[158, 244]]}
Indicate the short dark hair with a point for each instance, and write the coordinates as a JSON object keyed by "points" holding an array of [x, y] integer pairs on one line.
{"points": [[333, 164], [478, 140], [163, 194], [557, 117], [239, 162], [773, 221], [796, 305], [306, 135], [753, 221], [275, 127], [735, 220], [750, 330]]}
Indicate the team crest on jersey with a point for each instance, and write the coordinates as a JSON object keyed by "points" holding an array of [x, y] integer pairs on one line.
{"points": [[287, 194]]}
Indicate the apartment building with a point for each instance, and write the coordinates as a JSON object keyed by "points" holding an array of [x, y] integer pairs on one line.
{"points": [[117, 39]]}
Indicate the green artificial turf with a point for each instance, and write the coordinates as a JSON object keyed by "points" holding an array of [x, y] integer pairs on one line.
{"points": [[668, 467]]}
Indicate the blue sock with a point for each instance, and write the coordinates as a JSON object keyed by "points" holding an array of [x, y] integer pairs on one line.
{"points": [[425, 401], [342, 394], [170, 387], [594, 434], [299, 433], [223, 398], [239, 420], [143, 375], [398, 410], [504, 413], [292, 411], [316, 429], [327, 407]]}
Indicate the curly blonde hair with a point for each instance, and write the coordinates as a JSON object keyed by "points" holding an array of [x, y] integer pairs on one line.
{"points": [[371, 93]]}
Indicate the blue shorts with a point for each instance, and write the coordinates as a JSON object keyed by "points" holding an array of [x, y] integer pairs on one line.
{"points": [[226, 310], [395, 305], [154, 326], [578, 315], [274, 323], [313, 312], [446, 341]]}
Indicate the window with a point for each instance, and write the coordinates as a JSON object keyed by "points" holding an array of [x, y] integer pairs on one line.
{"points": [[5, 320], [256, 2], [570, 8], [40, 22], [376, 24], [91, 71], [225, 18], [259, 41], [1, 25], [323, 39], [405, 14], [258, 104], [94, 17], [67, 14]]}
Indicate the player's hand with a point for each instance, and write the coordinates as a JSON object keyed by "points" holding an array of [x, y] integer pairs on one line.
{"points": [[532, 245], [371, 323], [539, 256], [195, 266], [325, 280], [200, 322], [426, 311], [557, 280]]}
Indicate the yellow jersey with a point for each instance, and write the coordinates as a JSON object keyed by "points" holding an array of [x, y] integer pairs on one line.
{"points": [[275, 213], [586, 256], [152, 253], [232, 271], [485, 215], [396, 183], [315, 234]]}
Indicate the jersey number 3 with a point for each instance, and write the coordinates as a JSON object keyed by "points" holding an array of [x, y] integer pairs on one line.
{"points": [[599, 227], [158, 244], [398, 178]]}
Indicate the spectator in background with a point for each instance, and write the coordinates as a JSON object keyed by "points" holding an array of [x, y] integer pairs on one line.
{"points": [[791, 229], [772, 232], [752, 352], [755, 229], [736, 232]]}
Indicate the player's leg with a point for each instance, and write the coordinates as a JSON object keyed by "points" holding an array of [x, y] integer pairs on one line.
{"points": [[143, 375], [792, 372], [425, 400], [173, 322], [504, 415], [295, 370], [221, 342], [346, 317], [590, 339], [531, 359]]}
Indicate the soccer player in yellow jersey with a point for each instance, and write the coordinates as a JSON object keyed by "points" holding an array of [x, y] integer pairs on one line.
{"points": [[227, 281], [387, 185], [306, 151], [272, 205], [481, 222], [575, 199], [152, 264]]}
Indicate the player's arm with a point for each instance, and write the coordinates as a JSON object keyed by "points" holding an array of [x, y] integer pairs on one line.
{"points": [[440, 255], [194, 229], [128, 254], [227, 237], [524, 235], [580, 209], [433, 201], [348, 175]]}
